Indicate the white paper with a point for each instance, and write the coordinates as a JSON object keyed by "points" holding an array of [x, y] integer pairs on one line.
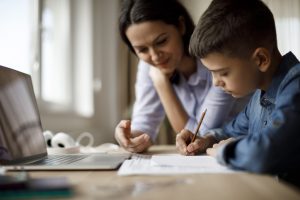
{"points": [[170, 164]]}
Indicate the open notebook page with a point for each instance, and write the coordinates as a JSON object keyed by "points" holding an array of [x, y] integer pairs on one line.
{"points": [[170, 164]]}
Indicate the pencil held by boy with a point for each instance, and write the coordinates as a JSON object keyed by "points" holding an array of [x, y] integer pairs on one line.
{"points": [[236, 41]]}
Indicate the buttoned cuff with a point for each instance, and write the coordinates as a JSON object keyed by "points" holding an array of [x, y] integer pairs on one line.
{"points": [[217, 133], [221, 155], [225, 152]]}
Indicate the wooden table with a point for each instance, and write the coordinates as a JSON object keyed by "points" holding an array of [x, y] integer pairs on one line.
{"points": [[108, 185]]}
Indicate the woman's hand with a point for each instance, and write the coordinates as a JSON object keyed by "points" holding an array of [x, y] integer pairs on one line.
{"points": [[133, 141], [174, 110], [213, 151], [185, 147], [158, 77]]}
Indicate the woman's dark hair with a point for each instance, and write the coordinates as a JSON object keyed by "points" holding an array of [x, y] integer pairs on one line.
{"points": [[168, 11]]}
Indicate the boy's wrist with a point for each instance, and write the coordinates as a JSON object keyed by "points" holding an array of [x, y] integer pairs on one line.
{"points": [[210, 140]]}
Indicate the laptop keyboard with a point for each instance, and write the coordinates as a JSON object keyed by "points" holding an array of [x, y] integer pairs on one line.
{"points": [[59, 159]]}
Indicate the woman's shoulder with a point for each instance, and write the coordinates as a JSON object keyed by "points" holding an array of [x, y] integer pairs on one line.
{"points": [[143, 72], [143, 65], [201, 74], [202, 70]]}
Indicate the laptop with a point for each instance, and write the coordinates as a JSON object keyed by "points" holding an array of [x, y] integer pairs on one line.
{"points": [[22, 143]]}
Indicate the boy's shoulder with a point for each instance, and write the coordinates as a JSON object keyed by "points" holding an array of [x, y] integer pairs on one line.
{"points": [[292, 70], [290, 81], [289, 66]]}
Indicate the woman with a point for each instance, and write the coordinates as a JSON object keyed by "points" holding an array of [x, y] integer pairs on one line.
{"points": [[169, 81]]}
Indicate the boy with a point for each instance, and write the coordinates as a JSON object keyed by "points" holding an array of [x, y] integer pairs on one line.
{"points": [[236, 41]]}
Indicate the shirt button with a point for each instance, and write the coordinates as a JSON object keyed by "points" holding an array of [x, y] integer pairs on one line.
{"points": [[265, 123], [265, 102]]}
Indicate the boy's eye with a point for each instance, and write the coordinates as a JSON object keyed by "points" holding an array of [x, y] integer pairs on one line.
{"points": [[224, 74]]}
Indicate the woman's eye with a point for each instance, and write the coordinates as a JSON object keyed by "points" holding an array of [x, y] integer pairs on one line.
{"points": [[142, 50], [160, 42]]}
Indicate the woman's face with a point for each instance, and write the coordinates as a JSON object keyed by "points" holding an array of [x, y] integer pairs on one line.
{"points": [[158, 44]]}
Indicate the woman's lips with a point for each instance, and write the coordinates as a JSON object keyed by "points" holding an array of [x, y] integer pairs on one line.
{"points": [[163, 64]]}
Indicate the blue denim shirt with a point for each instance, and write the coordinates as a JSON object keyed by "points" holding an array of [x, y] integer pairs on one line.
{"points": [[267, 131]]}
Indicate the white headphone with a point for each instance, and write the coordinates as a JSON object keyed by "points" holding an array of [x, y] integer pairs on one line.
{"points": [[64, 140]]}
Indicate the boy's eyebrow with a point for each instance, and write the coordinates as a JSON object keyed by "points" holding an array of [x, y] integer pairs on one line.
{"points": [[218, 70]]}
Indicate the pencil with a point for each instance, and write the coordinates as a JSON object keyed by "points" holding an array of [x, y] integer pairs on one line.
{"points": [[199, 124]]}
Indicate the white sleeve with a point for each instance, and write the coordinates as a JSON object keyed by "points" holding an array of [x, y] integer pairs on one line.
{"points": [[218, 105], [148, 111]]}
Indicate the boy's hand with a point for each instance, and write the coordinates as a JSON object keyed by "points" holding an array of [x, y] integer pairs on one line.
{"points": [[185, 147], [213, 151], [131, 141]]}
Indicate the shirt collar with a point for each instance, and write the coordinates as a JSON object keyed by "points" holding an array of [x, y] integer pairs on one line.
{"points": [[288, 60], [200, 75]]}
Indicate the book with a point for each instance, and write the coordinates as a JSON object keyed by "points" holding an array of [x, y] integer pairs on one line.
{"points": [[13, 187]]}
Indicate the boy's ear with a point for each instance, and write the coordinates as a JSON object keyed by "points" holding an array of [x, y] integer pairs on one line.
{"points": [[262, 58], [181, 25]]}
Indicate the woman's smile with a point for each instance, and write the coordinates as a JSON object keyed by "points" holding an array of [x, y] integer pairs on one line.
{"points": [[162, 64]]}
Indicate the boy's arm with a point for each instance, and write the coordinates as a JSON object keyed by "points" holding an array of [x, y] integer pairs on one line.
{"points": [[275, 149], [218, 105], [236, 128]]}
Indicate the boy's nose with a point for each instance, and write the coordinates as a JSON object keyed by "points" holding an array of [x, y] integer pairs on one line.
{"points": [[217, 82]]}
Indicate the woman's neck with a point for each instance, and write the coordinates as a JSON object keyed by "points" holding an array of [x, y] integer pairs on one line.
{"points": [[188, 66]]}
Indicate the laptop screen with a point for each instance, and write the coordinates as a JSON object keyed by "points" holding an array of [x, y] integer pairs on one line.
{"points": [[21, 136]]}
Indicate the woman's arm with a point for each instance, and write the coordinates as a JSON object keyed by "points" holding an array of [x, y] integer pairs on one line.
{"points": [[174, 110], [148, 111]]}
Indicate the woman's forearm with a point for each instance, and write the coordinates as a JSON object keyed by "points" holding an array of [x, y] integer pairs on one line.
{"points": [[175, 112]]}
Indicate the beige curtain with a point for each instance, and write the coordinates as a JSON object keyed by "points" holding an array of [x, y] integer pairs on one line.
{"points": [[287, 19]]}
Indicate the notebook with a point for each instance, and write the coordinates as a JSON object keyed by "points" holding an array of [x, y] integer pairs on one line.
{"points": [[22, 144]]}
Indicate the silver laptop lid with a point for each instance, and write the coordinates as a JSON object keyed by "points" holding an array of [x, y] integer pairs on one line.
{"points": [[21, 137]]}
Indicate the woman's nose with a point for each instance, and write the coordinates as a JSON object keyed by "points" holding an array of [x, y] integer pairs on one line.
{"points": [[155, 54]]}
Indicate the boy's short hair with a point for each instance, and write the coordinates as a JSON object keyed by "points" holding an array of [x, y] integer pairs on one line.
{"points": [[234, 28]]}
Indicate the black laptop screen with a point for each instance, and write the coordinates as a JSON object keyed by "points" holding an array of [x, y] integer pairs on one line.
{"points": [[21, 136]]}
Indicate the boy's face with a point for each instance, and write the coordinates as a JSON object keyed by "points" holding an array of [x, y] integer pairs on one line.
{"points": [[236, 76]]}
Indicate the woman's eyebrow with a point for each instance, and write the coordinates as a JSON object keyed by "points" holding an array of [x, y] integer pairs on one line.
{"points": [[159, 37]]}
